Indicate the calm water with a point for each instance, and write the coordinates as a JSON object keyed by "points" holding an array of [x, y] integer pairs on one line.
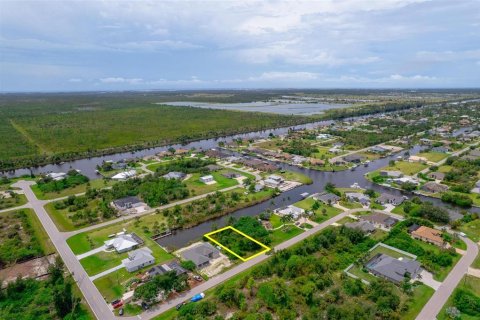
{"points": [[297, 108]]}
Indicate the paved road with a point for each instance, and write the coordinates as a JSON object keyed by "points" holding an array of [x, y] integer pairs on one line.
{"points": [[161, 308], [440, 297], [91, 293]]}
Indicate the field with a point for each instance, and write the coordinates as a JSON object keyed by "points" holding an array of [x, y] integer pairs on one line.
{"points": [[83, 125], [15, 201], [472, 229], [407, 168], [433, 156], [94, 184], [319, 215], [22, 237]]}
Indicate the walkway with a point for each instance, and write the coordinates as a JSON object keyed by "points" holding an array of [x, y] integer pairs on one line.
{"points": [[104, 273], [89, 253]]}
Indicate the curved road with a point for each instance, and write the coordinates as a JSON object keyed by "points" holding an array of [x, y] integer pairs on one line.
{"points": [[440, 297]]}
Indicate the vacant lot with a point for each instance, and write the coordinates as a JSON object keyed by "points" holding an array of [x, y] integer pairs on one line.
{"points": [[433, 156], [407, 168]]}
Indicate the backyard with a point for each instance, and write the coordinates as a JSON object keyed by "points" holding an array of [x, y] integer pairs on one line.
{"points": [[322, 211]]}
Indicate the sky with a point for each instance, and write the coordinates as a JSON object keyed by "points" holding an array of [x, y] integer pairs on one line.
{"points": [[162, 45]]}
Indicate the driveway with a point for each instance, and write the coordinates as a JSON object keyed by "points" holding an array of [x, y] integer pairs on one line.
{"points": [[89, 253], [104, 273], [427, 279]]}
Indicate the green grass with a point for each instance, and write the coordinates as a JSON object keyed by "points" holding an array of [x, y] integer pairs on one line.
{"points": [[358, 271], [96, 184], [112, 286], [476, 263], [114, 122], [61, 218], [194, 184], [421, 294], [433, 156], [388, 251], [280, 235], [407, 168], [12, 202], [296, 176], [102, 261], [445, 168], [275, 221], [319, 216], [468, 282], [472, 229], [350, 205]]}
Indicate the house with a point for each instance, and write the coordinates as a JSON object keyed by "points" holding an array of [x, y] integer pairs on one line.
{"points": [[274, 181], [378, 149], [174, 175], [335, 150], [436, 175], [126, 203], [138, 259], [56, 176], [358, 197], [338, 145], [125, 175], [124, 242], [417, 159], [326, 197], [213, 167], [324, 136], [354, 158], [201, 254], [413, 227], [181, 151], [207, 179], [380, 220], [259, 187], [391, 174], [214, 153], [403, 180], [429, 235], [316, 162], [440, 149], [293, 211], [386, 198], [231, 175], [433, 187], [298, 159], [392, 269], [426, 142], [364, 226], [164, 268]]}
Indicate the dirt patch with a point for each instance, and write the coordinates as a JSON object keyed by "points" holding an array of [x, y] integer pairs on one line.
{"points": [[35, 268]]}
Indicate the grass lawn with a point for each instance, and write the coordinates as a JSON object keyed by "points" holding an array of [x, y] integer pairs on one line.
{"points": [[472, 229], [378, 235], [273, 144], [407, 168], [319, 215], [350, 205], [102, 261], [433, 156], [275, 220], [388, 251], [280, 235], [40, 232], [295, 176], [194, 184], [476, 263], [8, 203], [112, 286], [469, 283], [358, 271], [421, 294], [445, 168], [97, 184]]}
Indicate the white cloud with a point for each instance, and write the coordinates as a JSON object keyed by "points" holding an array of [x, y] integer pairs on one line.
{"points": [[121, 80], [285, 76], [77, 80]]}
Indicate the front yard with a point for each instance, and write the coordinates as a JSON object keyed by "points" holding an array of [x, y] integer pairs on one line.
{"points": [[324, 212]]}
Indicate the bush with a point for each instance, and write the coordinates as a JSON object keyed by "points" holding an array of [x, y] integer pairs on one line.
{"points": [[467, 302]]}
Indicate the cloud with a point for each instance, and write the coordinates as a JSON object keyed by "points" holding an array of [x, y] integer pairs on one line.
{"points": [[121, 80], [284, 76], [77, 80]]}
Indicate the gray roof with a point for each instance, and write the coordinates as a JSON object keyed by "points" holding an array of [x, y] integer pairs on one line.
{"points": [[126, 202], [391, 268], [138, 257], [434, 187], [364, 226], [199, 254], [389, 198], [380, 218], [326, 197], [164, 268], [353, 157], [174, 175]]}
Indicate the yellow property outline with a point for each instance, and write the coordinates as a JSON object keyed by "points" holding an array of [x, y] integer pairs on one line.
{"points": [[208, 236]]}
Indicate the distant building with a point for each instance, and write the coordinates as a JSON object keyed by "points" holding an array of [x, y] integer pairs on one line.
{"points": [[326, 197], [138, 259], [125, 175], [56, 176], [164, 268], [207, 179], [433, 187], [201, 254], [391, 174], [274, 181], [378, 149], [364, 226], [213, 167], [231, 175], [436, 175], [174, 175], [392, 269], [291, 210], [429, 235], [358, 197], [386, 198], [354, 158], [126, 203], [380, 220]]}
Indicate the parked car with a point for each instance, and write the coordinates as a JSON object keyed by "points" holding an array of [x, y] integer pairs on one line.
{"points": [[178, 306], [198, 297], [144, 306], [120, 312], [117, 304], [198, 278]]}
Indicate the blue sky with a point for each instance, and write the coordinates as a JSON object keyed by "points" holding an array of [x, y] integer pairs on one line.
{"points": [[122, 45]]}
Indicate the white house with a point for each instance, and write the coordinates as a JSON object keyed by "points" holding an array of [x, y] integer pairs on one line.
{"points": [[57, 176], [207, 179], [138, 259], [291, 210], [125, 175], [122, 243], [274, 181]]}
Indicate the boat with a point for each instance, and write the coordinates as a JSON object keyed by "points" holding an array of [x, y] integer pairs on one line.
{"points": [[304, 195]]}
